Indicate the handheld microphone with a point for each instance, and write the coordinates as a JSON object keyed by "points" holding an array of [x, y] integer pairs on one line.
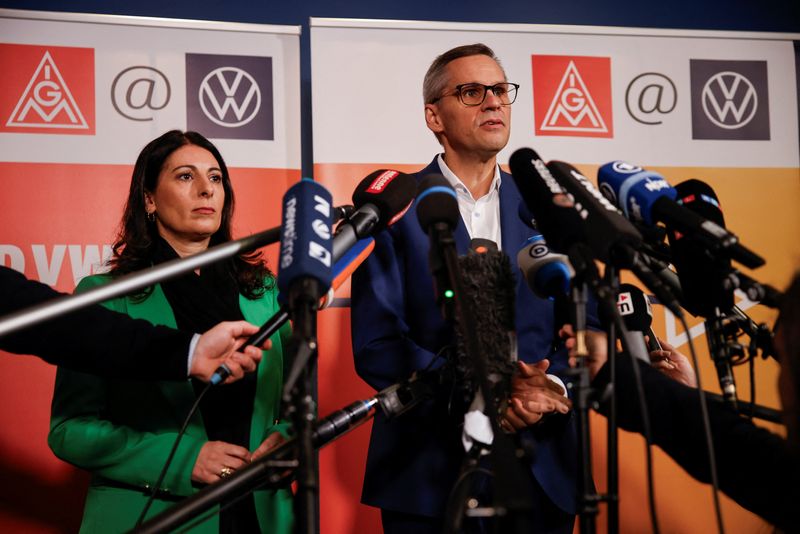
{"points": [[342, 269], [380, 200], [645, 196], [633, 306]]}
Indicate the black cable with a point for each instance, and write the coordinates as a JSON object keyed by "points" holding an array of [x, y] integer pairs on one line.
{"points": [[651, 501], [712, 460], [163, 473]]}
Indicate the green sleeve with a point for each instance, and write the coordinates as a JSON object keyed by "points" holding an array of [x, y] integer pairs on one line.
{"points": [[83, 433]]}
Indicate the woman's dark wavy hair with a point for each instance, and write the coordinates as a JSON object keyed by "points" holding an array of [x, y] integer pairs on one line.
{"points": [[134, 245]]}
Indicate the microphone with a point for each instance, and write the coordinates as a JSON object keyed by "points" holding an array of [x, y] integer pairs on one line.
{"points": [[306, 252], [549, 276], [305, 256], [610, 235], [646, 197], [380, 200], [633, 306], [438, 215], [547, 273], [702, 274], [705, 279], [489, 288], [342, 269], [546, 200]]}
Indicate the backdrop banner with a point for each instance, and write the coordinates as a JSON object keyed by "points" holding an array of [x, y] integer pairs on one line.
{"points": [[718, 106], [81, 96]]}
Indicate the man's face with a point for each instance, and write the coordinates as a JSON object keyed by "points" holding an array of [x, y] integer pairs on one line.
{"points": [[481, 130]]}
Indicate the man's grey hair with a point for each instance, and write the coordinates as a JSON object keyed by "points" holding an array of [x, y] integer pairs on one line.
{"points": [[435, 81]]}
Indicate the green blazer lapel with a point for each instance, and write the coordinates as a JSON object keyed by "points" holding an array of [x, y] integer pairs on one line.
{"points": [[270, 370], [180, 395]]}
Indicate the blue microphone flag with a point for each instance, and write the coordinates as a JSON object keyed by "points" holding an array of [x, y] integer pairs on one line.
{"points": [[306, 238]]}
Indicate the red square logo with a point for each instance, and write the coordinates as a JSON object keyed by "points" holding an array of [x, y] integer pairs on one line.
{"points": [[572, 96], [47, 89]]}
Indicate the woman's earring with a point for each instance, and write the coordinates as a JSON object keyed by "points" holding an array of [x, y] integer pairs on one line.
{"points": [[151, 216]]}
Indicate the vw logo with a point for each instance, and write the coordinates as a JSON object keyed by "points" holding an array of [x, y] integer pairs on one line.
{"points": [[230, 89], [729, 100]]}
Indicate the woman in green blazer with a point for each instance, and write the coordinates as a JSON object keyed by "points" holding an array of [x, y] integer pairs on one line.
{"points": [[180, 203]]}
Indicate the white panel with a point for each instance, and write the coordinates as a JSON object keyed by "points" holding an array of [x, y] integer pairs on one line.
{"points": [[367, 103], [120, 43]]}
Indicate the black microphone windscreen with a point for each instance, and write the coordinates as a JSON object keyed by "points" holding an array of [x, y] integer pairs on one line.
{"points": [[702, 273], [437, 202], [699, 197], [548, 202], [489, 290], [392, 192]]}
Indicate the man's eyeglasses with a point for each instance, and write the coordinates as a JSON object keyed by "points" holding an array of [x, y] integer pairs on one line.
{"points": [[473, 94]]}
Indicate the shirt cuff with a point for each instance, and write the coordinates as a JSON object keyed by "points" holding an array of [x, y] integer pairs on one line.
{"points": [[190, 358], [558, 381]]}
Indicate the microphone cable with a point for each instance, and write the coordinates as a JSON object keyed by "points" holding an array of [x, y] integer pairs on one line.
{"points": [[167, 463], [712, 460]]}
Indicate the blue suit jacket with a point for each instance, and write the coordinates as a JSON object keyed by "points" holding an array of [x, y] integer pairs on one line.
{"points": [[413, 460]]}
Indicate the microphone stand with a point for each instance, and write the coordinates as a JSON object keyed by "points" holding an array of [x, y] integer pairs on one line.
{"points": [[612, 438], [132, 282], [298, 401], [509, 493], [585, 272], [272, 469], [721, 352]]}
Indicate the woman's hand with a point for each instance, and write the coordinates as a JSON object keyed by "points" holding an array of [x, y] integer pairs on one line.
{"points": [[272, 442], [218, 459]]}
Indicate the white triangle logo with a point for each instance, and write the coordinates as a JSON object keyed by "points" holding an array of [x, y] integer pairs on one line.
{"points": [[47, 101], [573, 106]]}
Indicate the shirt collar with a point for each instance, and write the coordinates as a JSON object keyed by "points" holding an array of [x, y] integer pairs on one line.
{"points": [[456, 182]]}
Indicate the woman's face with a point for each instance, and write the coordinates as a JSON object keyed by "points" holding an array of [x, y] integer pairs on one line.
{"points": [[188, 197]]}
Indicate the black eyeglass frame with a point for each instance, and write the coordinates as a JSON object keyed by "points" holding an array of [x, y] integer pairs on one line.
{"points": [[486, 89]]}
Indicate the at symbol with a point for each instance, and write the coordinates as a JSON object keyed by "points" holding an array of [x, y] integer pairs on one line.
{"points": [[648, 93], [140, 87]]}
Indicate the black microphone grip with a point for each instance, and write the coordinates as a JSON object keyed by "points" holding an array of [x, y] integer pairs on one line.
{"points": [[267, 329]]}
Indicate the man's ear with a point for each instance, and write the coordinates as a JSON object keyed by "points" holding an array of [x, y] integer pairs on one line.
{"points": [[433, 119]]}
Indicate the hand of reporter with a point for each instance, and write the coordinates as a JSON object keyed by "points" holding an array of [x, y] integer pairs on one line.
{"points": [[220, 345]]}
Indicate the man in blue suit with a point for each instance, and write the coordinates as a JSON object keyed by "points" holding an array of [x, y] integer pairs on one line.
{"points": [[414, 460]]}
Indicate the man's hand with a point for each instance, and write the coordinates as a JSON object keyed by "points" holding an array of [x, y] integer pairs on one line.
{"points": [[673, 364], [596, 344], [532, 396], [219, 345]]}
